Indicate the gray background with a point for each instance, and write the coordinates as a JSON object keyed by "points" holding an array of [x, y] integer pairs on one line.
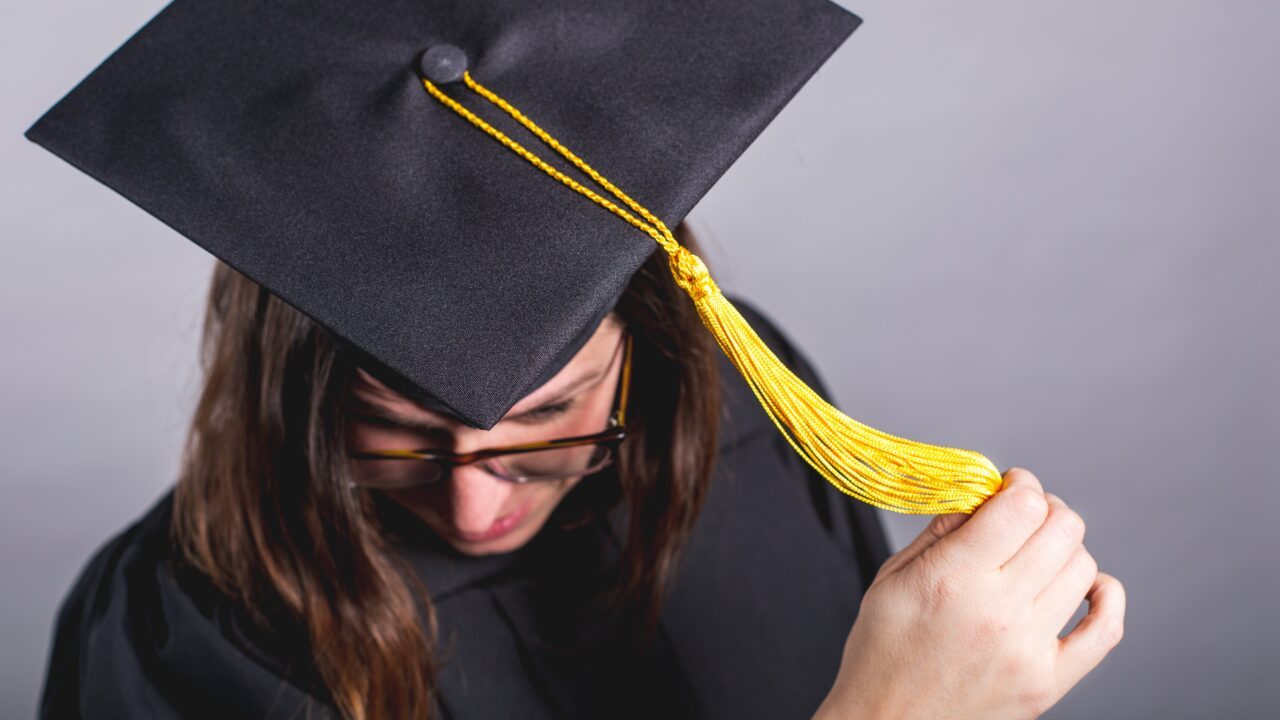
{"points": [[1045, 230]]}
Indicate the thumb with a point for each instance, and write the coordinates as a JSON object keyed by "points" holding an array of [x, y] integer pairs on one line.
{"points": [[939, 527]]}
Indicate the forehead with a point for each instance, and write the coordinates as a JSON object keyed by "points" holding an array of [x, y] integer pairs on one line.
{"points": [[591, 360]]}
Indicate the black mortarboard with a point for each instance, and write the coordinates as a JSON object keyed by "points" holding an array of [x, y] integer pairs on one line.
{"points": [[313, 147], [294, 140]]}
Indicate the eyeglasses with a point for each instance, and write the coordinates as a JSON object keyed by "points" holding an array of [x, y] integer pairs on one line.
{"points": [[524, 463]]}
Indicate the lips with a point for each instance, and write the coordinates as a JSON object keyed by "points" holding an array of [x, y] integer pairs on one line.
{"points": [[500, 527]]}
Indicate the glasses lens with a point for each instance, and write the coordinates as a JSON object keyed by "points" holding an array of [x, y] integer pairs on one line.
{"points": [[550, 464], [392, 473]]}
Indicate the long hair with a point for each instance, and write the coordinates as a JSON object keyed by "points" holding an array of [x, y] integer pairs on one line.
{"points": [[264, 507]]}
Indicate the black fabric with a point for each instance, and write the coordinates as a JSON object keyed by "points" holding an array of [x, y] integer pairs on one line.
{"points": [[753, 628], [294, 140], [405, 387]]}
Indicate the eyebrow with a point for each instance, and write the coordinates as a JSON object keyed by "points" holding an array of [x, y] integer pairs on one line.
{"points": [[384, 416]]}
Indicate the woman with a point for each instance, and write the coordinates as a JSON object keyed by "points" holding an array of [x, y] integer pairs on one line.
{"points": [[287, 576], [295, 568], [464, 448]]}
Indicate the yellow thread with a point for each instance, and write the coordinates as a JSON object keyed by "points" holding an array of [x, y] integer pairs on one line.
{"points": [[875, 467]]}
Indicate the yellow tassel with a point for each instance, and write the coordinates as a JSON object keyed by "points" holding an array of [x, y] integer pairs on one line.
{"points": [[875, 467]]}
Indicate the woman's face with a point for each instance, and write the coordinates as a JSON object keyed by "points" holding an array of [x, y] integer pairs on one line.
{"points": [[474, 511]]}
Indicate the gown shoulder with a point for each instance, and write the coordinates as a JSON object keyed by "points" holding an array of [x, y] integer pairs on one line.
{"points": [[136, 636]]}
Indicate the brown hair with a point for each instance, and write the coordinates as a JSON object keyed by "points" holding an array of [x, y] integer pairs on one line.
{"points": [[264, 508]]}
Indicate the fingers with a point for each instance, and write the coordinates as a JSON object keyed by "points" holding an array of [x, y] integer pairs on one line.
{"points": [[1095, 635], [1058, 602], [1042, 557], [1001, 525], [939, 527]]}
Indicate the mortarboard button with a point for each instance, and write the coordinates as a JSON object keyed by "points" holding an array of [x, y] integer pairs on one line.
{"points": [[443, 64]]}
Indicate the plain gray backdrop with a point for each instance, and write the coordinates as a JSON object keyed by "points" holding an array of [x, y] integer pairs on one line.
{"points": [[1044, 230]]}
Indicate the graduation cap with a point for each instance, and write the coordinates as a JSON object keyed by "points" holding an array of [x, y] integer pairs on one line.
{"points": [[360, 161]]}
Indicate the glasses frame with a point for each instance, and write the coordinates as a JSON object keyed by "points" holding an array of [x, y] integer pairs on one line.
{"points": [[612, 436]]}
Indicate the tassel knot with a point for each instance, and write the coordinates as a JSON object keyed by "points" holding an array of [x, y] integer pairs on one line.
{"points": [[691, 274]]}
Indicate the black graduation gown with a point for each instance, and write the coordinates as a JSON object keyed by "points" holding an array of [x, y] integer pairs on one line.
{"points": [[753, 625]]}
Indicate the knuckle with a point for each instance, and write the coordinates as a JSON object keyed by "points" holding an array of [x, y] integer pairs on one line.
{"points": [[1020, 474], [1081, 526], [1071, 523], [882, 599], [1090, 563], [1084, 565], [1029, 504], [1016, 666], [943, 591], [937, 527], [1035, 682], [940, 588], [990, 629], [1114, 585], [1110, 632]]}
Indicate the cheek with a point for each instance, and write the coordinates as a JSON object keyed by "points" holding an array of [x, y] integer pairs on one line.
{"points": [[545, 501], [420, 496]]}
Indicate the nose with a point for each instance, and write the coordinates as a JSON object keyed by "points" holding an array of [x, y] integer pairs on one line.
{"points": [[476, 499]]}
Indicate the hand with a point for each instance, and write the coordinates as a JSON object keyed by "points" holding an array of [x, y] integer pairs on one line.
{"points": [[964, 621]]}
